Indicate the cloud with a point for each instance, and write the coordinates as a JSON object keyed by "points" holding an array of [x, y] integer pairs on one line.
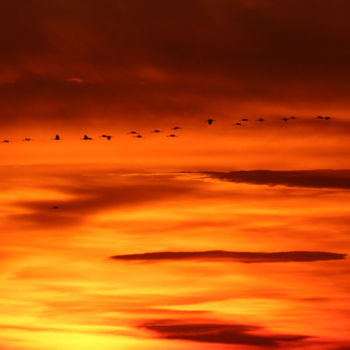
{"points": [[89, 195], [243, 257], [220, 333], [75, 80], [293, 178], [197, 56]]}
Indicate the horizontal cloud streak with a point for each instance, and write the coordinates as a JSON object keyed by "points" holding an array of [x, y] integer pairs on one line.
{"points": [[294, 178], [243, 257], [219, 333]]}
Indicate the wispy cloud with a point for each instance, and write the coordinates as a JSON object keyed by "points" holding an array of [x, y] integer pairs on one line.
{"points": [[89, 195]]}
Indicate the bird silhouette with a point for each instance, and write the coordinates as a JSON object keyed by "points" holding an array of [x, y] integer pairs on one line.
{"points": [[285, 119], [108, 137], [243, 120], [27, 139], [210, 121], [156, 131], [238, 124], [260, 120], [176, 128], [57, 138], [292, 117], [133, 132], [139, 136], [172, 135], [6, 141], [86, 138], [319, 117], [55, 207], [327, 118]]}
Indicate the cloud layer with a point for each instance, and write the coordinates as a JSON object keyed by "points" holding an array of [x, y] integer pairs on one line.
{"points": [[220, 333], [72, 60], [244, 257], [294, 178]]}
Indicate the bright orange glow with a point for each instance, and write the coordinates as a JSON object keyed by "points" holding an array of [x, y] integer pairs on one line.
{"points": [[224, 225]]}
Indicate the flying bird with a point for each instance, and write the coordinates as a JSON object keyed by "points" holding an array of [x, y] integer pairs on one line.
{"points": [[239, 124], [133, 132], [139, 136], [55, 207], [108, 137], [6, 141], [210, 121], [176, 128], [156, 131], [244, 120], [260, 120], [85, 138], [292, 117], [172, 135], [27, 139], [327, 118], [285, 119], [319, 117], [57, 138]]}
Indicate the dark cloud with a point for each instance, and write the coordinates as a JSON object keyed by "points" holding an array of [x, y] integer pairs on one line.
{"points": [[175, 58], [220, 333], [244, 257], [303, 178]]}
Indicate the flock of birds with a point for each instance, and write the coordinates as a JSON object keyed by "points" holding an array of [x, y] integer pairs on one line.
{"points": [[138, 135]]}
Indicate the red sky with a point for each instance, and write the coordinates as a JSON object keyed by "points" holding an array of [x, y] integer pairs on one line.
{"points": [[74, 67]]}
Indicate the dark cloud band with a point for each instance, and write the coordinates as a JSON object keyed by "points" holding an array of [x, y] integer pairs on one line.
{"points": [[294, 178], [243, 257], [220, 333]]}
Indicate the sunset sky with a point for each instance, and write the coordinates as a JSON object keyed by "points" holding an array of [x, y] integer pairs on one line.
{"points": [[227, 236]]}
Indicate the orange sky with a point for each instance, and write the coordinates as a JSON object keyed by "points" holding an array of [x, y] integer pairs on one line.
{"points": [[72, 67]]}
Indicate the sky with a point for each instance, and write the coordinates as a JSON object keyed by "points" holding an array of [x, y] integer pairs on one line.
{"points": [[226, 236]]}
